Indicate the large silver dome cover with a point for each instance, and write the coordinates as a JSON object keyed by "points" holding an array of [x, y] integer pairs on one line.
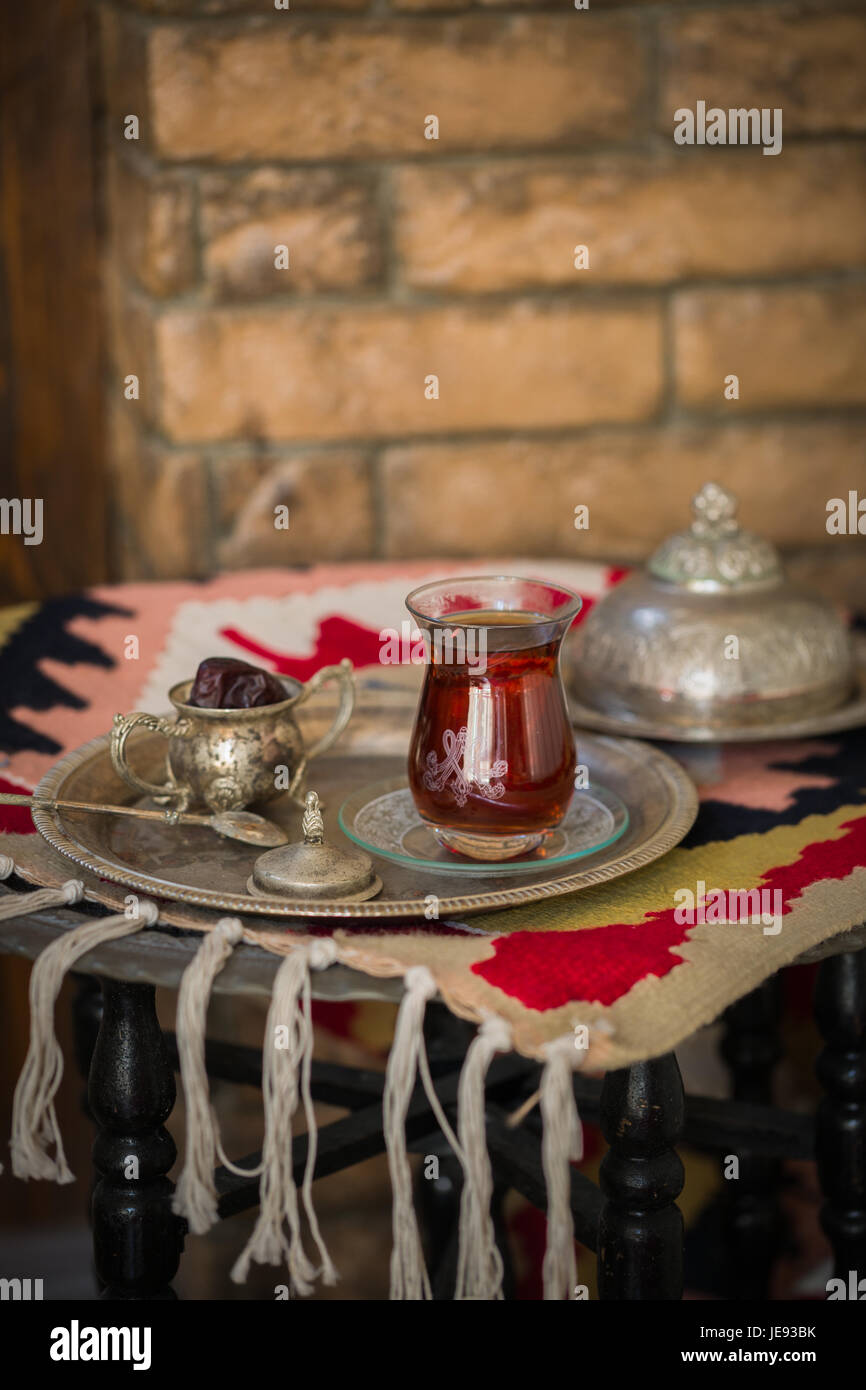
{"points": [[711, 635]]}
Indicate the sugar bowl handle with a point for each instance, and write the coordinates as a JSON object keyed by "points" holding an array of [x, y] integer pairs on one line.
{"points": [[344, 674], [122, 727]]}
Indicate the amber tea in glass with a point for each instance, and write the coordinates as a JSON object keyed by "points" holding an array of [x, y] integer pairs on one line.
{"points": [[492, 757]]}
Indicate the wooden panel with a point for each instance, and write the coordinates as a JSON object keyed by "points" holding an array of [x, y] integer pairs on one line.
{"points": [[51, 369]]}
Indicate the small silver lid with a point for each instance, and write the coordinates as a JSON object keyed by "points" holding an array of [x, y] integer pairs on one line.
{"points": [[716, 553], [313, 869]]}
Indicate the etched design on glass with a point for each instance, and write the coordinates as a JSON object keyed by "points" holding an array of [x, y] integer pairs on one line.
{"points": [[449, 775]]}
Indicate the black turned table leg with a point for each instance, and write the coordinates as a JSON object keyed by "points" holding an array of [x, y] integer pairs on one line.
{"points": [[640, 1233], [137, 1238], [750, 1206], [840, 1138], [86, 1018]]}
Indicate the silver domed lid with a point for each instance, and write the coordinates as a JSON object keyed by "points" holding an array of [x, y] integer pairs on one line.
{"points": [[710, 636], [314, 869], [716, 553]]}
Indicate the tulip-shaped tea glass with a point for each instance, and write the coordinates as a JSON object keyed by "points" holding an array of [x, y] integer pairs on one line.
{"points": [[492, 758]]}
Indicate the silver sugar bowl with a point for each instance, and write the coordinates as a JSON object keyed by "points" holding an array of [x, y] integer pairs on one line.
{"points": [[711, 635]]}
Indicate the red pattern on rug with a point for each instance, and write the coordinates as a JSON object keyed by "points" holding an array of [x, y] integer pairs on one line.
{"points": [[15, 820], [337, 637], [547, 970]]}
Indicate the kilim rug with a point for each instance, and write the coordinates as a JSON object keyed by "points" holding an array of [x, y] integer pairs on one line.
{"points": [[614, 966]]}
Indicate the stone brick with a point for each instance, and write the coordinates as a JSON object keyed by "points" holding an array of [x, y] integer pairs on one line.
{"points": [[328, 221], [512, 224], [161, 525], [362, 372], [567, 5], [357, 87], [153, 228], [455, 5], [797, 348], [809, 62], [330, 503], [257, 7], [518, 497]]}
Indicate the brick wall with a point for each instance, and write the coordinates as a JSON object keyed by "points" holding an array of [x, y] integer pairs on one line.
{"points": [[412, 257]]}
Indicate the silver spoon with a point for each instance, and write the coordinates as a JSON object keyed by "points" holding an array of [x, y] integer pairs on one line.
{"points": [[232, 825]]}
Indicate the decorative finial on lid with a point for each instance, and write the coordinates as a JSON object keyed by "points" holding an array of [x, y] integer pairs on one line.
{"points": [[714, 511], [715, 553], [313, 825]]}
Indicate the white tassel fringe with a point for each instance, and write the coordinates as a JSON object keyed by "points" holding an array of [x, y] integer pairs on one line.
{"points": [[195, 1197], [408, 1272], [479, 1262], [286, 1080], [286, 1083], [34, 1120], [561, 1144]]}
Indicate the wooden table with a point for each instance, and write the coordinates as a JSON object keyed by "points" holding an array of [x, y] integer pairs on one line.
{"points": [[631, 1220]]}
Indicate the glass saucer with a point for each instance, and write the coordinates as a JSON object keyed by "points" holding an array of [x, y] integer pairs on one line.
{"points": [[382, 819]]}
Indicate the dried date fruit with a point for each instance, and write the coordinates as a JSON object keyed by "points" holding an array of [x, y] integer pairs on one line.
{"points": [[224, 682]]}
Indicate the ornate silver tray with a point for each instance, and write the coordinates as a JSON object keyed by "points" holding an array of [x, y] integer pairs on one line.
{"points": [[193, 865]]}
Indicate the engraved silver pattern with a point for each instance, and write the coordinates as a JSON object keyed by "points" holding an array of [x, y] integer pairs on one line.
{"points": [[715, 551]]}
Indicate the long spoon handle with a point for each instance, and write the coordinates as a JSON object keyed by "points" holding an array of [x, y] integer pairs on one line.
{"points": [[12, 799]]}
